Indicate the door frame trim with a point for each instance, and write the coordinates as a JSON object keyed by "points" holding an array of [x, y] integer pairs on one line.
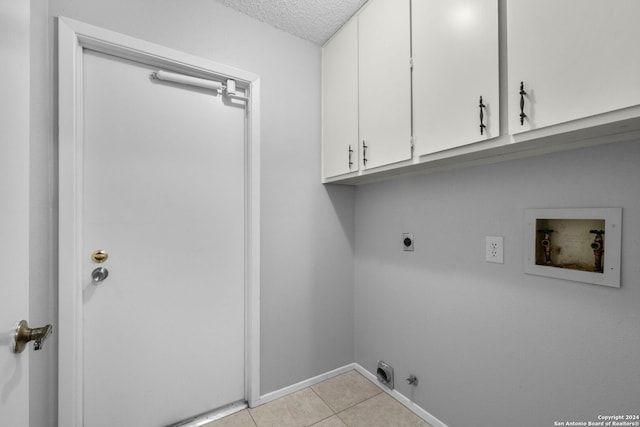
{"points": [[73, 38]]}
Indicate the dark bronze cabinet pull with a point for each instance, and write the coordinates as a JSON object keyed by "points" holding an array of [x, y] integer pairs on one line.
{"points": [[364, 153], [482, 125], [350, 153], [522, 94]]}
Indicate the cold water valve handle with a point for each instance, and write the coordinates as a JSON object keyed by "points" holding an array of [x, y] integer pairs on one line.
{"points": [[546, 244], [598, 249]]}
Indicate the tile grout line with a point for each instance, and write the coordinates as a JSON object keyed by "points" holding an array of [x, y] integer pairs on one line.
{"points": [[334, 412], [323, 401], [359, 403], [255, 423], [401, 407], [353, 406], [337, 413]]}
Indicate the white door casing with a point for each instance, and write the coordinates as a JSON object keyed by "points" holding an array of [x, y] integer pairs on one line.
{"points": [[14, 209], [74, 37]]}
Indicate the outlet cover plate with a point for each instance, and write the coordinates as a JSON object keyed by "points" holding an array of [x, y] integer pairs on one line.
{"points": [[495, 249]]}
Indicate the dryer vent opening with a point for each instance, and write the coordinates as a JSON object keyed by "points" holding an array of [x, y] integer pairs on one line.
{"points": [[385, 374]]}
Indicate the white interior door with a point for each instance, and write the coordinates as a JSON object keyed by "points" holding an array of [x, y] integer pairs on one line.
{"points": [[14, 209], [163, 195]]}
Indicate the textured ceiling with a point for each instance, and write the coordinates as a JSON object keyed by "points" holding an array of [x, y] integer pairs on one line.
{"points": [[313, 20]]}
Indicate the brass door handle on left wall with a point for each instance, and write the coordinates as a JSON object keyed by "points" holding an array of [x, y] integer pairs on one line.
{"points": [[24, 334]]}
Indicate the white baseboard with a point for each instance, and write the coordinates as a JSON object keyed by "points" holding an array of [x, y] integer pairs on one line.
{"points": [[266, 398], [401, 398]]}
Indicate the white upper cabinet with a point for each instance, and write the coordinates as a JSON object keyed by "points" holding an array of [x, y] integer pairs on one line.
{"points": [[415, 84], [340, 102], [385, 82], [455, 62], [575, 58]]}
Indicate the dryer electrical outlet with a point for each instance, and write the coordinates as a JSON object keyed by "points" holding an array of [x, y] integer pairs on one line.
{"points": [[495, 249], [407, 241]]}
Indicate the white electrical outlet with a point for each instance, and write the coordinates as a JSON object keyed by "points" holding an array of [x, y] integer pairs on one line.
{"points": [[495, 249]]}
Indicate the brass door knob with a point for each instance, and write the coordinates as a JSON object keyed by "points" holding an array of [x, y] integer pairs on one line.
{"points": [[24, 334]]}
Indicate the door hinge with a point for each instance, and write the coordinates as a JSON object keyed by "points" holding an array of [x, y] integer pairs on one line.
{"points": [[412, 145], [411, 63]]}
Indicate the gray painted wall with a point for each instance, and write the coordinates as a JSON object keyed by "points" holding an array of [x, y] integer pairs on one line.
{"points": [[492, 346], [307, 229]]}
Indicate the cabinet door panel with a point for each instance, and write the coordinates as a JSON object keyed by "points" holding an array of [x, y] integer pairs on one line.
{"points": [[577, 58], [340, 102], [385, 82], [455, 61]]}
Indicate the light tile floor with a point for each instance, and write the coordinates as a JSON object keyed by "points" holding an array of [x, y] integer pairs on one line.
{"points": [[348, 400]]}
